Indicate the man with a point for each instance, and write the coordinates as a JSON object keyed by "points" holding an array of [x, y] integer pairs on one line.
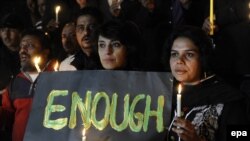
{"points": [[17, 99], [70, 46], [10, 34], [87, 21]]}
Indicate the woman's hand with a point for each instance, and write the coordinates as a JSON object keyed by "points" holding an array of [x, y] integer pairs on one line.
{"points": [[185, 130]]}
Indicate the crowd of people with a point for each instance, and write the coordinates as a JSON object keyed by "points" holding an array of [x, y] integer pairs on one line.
{"points": [[141, 35]]}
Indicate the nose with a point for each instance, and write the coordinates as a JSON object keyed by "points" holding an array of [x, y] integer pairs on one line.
{"points": [[23, 48], [109, 50], [180, 60]]}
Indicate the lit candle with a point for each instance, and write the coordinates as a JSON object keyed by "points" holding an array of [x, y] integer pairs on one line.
{"points": [[211, 17], [37, 61], [57, 9], [179, 101], [56, 66], [84, 138]]}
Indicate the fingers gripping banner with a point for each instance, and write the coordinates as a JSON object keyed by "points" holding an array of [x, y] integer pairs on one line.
{"points": [[100, 106]]}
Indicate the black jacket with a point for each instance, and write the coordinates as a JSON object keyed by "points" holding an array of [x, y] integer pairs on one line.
{"points": [[211, 106]]}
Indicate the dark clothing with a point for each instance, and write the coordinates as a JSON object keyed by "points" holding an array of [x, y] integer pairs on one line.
{"points": [[84, 62], [9, 65], [231, 39], [211, 106]]}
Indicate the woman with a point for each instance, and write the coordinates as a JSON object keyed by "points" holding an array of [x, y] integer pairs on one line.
{"points": [[209, 105], [118, 44]]}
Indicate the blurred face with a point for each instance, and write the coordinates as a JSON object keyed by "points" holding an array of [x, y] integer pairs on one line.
{"points": [[69, 41], [149, 4], [11, 38], [41, 7], [185, 61], [30, 47], [85, 27], [81, 3], [31, 5], [112, 53]]}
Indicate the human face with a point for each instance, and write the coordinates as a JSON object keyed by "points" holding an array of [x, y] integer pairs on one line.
{"points": [[185, 61], [69, 41], [112, 53], [31, 4], [11, 38], [30, 46], [149, 4], [81, 3], [41, 7], [85, 27]]}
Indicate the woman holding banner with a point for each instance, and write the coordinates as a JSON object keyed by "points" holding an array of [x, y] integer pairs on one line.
{"points": [[209, 105]]}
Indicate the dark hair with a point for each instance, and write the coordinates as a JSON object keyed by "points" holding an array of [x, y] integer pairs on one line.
{"points": [[202, 41], [42, 36], [128, 34], [11, 20], [92, 11]]}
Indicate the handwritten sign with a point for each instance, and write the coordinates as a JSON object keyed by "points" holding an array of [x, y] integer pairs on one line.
{"points": [[109, 105]]}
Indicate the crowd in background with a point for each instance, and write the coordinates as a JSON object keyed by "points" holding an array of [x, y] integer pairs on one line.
{"points": [[118, 35]]}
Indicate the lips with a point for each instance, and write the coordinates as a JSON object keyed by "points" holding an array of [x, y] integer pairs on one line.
{"points": [[180, 71], [86, 39], [24, 57], [108, 60]]}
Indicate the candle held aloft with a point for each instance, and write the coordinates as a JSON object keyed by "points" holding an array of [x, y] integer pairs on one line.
{"points": [[178, 107], [57, 9], [37, 61], [211, 17], [84, 138]]}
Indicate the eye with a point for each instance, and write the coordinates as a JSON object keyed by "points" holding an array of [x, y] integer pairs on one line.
{"points": [[79, 28], [91, 26], [190, 55], [101, 45], [116, 44], [173, 54]]}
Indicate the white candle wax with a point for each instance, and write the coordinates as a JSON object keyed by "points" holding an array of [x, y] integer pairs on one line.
{"points": [[211, 17], [178, 105], [84, 135]]}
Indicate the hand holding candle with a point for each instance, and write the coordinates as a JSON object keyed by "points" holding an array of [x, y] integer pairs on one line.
{"points": [[178, 107], [57, 9], [37, 61]]}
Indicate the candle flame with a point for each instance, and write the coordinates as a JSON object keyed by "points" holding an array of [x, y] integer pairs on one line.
{"points": [[37, 61], [179, 88], [58, 8], [56, 66], [83, 132]]}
